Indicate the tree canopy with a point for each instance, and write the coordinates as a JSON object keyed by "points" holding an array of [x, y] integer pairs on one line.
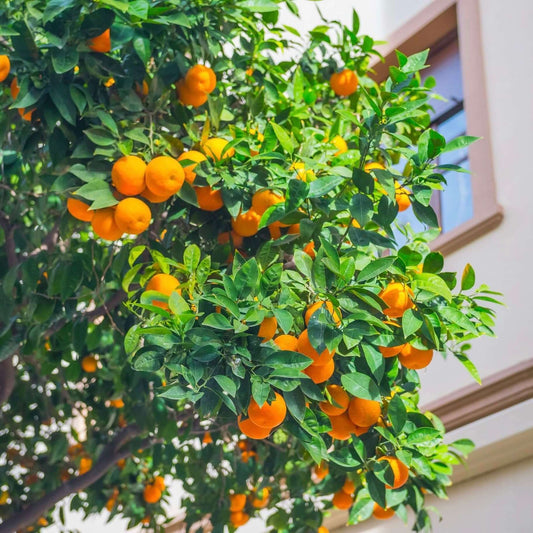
{"points": [[203, 277]]}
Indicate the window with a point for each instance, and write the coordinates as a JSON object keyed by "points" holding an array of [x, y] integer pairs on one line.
{"points": [[450, 28]]}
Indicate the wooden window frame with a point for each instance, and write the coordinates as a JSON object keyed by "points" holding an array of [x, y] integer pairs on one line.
{"points": [[434, 27]]}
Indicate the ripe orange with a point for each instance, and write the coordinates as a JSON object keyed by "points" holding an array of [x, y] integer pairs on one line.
{"points": [[269, 415], [364, 413], [413, 358], [321, 470], [322, 529], [154, 198], [159, 482], [165, 284], [341, 427], [339, 397], [305, 347], [101, 43], [127, 175], [287, 342], [132, 216], [117, 403], [400, 471], [309, 249], [26, 115], [209, 199], [402, 197], [201, 79], [196, 157], [301, 172], [344, 83], [252, 430], [275, 231], [382, 514], [361, 430], [86, 463], [88, 363], [260, 499], [246, 224], [373, 165], [320, 373], [349, 486], [207, 439], [151, 494], [236, 239], [146, 520], [317, 305], [294, 229], [264, 199], [268, 328], [398, 298], [188, 96], [390, 351], [5, 67], [14, 88], [339, 143], [341, 500], [79, 210], [142, 89], [237, 502], [239, 518], [104, 225], [214, 147], [164, 176]]}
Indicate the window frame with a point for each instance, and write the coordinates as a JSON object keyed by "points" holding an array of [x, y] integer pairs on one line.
{"points": [[435, 27]]}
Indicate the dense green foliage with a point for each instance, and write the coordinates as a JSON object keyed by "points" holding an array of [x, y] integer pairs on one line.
{"points": [[194, 366]]}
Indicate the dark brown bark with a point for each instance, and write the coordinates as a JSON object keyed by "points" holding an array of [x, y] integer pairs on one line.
{"points": [[112, 453]]}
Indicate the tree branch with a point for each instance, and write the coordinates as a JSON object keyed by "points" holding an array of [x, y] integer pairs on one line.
{"points": [[112, 453]]}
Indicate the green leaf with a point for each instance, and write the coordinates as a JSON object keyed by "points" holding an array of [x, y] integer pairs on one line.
{"points": [[468, 279], [376, 488], [322, 186], [65, 59], [460, 142], [397, 413], [283, 137], [100, 136], [433, 263], [432, 283], [217, 321], [361, 208], [60, 95], [296, 194], [361, 385], [303, 263], [456, 317], [288, 359], [141, 45], [148, 359], [425, 214], [191, 257], [375, 268], [411, 322], [422, 435], [226, 384], [416, 62], [260, 391], [465, 446], [174, 392], [177, 303], [259, 6], [56, 7], [295, 401], [471, 367], [137, 134]]}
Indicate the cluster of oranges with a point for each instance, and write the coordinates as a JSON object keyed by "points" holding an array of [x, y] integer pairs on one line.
{"points": [[263, 419], [5, 68], [257, 499], [153, 492]]}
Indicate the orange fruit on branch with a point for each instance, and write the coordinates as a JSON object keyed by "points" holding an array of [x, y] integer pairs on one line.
{"points": [[398, 298], [159, 482], [79, 210], [127, 175], [251, 430], [101, 43], [349, 486], [239, 518], [201, 79], [164, 176], [132, 216], [154, 198], [309, 249], [320, 373], [321, 470], [104, 225], [188, 96], [341, 427], [235, 238], [264, 199], [286, 342], [165, 284], [14, 88], [237, 502], [340, 398], [399, 469], [341, 500], [209, 199], [268, 328], [344, 83], [413, 358], [305, 347], [246, 224], [89, 364], [152, 494], [5, 67], [194, 156], [86, 463], [261, 498], [214, 148], [313, 308], [364, 413], [268, 415], [382, 514]]}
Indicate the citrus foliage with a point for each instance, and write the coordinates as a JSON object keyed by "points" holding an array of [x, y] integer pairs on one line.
{"points": [[250, 186]]}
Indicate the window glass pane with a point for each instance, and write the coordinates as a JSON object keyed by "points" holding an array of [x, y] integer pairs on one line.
{"points": [[456, 200]]}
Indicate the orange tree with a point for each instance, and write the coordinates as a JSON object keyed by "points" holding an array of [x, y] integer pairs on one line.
{"points": [[200, 271]]}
